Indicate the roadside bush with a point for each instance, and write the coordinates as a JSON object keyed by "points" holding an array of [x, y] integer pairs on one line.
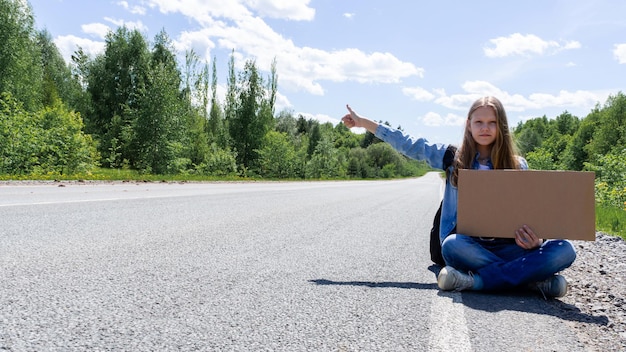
{"points": [[49, 141], [219, 162], [540, 159], [324, 163], [610, 180], [277, 158]]}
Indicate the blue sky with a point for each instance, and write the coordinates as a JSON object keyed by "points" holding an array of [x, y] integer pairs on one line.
{"points": [[415, 64]]}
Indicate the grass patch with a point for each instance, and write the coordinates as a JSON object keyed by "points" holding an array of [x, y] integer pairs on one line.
{"points": [[104, 174], [611, 220]]}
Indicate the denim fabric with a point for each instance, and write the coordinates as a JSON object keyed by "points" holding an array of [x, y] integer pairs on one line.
{"points": [[500, 263]]}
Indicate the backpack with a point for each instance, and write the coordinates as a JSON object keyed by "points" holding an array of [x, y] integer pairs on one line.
{"points": [[435, 242]]}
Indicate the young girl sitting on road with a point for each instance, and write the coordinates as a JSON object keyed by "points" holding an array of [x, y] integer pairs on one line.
{"points": [[477, 263]]}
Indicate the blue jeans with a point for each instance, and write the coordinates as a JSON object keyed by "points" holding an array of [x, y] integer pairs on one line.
{"points": [[502, 264]]}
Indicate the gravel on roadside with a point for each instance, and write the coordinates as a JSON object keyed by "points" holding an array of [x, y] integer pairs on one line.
{"points": [[596, 302]]}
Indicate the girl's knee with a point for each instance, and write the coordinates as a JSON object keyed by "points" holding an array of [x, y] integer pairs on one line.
{"points": [[454, 241], [448, 248], [457, 251], [452, 244], [569, 251], [448, 240], [564, 253]]}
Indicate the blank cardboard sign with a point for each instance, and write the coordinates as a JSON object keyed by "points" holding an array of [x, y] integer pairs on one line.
{"points": [[554, 204]]}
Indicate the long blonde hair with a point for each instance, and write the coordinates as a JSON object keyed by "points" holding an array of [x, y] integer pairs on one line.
{"points": [[503, 152]]}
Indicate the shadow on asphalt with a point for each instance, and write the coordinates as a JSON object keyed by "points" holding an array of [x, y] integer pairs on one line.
{"points": [[529, 302], [521, 301]]}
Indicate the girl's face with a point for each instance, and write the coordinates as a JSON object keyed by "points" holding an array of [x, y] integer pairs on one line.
{"points": [[483, 125]]}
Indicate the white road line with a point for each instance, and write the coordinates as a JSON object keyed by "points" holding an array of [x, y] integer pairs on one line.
{"points": [[449, 332], [449, 328]]}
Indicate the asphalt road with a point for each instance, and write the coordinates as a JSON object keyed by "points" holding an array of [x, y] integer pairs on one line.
{"points": [[284, 266]]}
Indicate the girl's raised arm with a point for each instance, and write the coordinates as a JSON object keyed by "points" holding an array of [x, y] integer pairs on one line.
{"points": [[352, 119]]}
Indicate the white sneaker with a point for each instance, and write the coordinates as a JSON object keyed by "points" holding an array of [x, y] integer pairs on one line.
{"points": [[451, 279], [555, 286]]}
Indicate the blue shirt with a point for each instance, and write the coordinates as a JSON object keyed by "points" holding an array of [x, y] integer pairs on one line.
{"points": [[420, 149]]}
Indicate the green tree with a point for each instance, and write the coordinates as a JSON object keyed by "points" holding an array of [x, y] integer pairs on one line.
{"points": [[576, 152], [357, 164], [556, 145], [230, 105], [315, 136], [19, 134], [379, 155], [610, 134], [277, 158], [65, 148], [217, 126], [345, 138], [58, 81], [324, 162], [157, 123], [303, 125], [566, 123], [540, 159], [219, 162], [191, 76], [610, 181], [272, 88], [529, 135], [195, 108], [160, 127], [80, 99], [286, 123], [47, 141], [116, 81], [20, 57], [252, 119]]}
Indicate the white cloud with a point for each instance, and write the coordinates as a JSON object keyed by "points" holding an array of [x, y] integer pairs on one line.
{"points": [[203, 11], [517, 102], [619, 52], [282, 103], [434, 119], [199, 41], [454, 120], [138, 25], [418, 93], [349, 15], [525, 45], [232, 25], [136, 10], [297, 10], [68, 44], [579, 98], [98, 30], [572, 45]]}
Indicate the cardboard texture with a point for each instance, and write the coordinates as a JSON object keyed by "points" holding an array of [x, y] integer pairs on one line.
{"points": [[554, 204]]}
